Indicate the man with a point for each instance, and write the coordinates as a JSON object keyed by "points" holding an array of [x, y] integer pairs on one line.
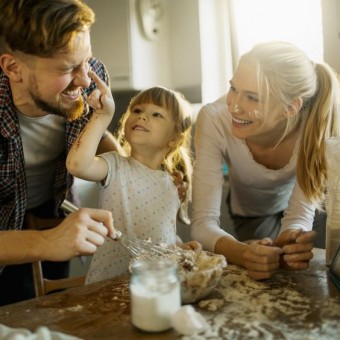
{"points": [[45, 56]]}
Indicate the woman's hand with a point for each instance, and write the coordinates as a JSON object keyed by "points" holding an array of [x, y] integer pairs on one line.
{"points": [[262, 259], [297, 248]]}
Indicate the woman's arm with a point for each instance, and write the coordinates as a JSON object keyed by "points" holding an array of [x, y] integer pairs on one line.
{"points": [[207, 181], [81, 160], [296, 236], [260, 258]]}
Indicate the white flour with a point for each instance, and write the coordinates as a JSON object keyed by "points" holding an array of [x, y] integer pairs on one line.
{"points": [[268, 310]]}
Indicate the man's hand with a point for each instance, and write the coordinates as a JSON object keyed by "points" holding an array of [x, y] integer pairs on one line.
{"points": [[79, 234]]}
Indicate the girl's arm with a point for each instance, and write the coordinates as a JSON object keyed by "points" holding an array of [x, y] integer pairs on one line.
{"points": [[81, 160]]}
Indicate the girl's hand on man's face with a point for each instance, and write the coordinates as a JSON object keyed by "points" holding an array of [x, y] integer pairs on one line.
{"points": [[101, 99]]}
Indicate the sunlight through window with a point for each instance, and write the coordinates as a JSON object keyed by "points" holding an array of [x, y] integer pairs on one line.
{"points": [[296, 21]]}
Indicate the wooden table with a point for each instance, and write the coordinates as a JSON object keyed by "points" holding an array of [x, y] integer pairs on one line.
{"points": [[291, 305]]}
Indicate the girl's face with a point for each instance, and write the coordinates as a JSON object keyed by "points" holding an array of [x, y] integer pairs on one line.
{"points": [[151, 126], [247, 107]]}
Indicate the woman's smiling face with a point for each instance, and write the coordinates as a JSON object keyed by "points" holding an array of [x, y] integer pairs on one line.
{"points": [[247, 107]]}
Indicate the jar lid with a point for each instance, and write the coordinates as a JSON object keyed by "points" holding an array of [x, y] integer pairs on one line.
{"points": [[153, 265]]}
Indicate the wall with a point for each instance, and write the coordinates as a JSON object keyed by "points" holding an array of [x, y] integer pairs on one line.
{"points": [[150, 58], [184, 42], [216, 48], [135, 62], [331, 32], [110, 39], [192, 31]]}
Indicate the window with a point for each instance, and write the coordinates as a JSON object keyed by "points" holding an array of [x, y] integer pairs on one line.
{"points": [[296, 21]]}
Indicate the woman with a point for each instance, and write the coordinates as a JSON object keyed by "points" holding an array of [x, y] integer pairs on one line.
{"points": [[270, 129]]}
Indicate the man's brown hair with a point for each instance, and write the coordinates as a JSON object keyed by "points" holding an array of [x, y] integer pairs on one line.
{"points": [[42, 27]]}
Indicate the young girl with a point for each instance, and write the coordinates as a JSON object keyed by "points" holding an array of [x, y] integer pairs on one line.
{"points": [[155, 133]]}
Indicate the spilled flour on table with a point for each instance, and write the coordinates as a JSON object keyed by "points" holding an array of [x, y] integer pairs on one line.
{"points": [[268, 310]]}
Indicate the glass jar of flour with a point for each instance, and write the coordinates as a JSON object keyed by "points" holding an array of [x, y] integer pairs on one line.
{"points": [[155, 294]]}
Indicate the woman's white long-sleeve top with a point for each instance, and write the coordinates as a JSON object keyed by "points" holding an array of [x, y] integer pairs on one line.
{"points": [[255, 189]]}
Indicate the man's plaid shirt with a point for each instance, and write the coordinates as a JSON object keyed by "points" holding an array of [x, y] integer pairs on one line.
{"points": [[13, 193]]}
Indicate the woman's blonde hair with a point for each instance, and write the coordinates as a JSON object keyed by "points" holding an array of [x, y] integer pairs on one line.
{"points": [[287, 75], [179, 158]]}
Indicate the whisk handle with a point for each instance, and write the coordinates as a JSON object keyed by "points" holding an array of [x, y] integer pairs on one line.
{"points": [[68, 206]]}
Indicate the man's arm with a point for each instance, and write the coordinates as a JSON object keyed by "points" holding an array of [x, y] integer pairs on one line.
{"points": [[79, 234]]}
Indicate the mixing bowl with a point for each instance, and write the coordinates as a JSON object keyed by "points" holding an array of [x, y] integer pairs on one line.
{"points": [[199, 273]]}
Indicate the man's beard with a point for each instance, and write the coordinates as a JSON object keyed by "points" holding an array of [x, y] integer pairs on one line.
{"points": [[71, 113]]}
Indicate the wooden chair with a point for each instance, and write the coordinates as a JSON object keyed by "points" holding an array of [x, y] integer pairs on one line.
{"points": [[43, 286]]}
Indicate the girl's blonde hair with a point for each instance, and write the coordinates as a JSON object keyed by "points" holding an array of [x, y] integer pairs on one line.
{"points": [[287, 75], [179, 158]]}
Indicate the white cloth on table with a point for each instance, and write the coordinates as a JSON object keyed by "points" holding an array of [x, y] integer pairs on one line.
{"points": [[41, 333]]}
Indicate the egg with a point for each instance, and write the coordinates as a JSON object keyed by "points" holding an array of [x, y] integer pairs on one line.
{"points": [[187, 321]]}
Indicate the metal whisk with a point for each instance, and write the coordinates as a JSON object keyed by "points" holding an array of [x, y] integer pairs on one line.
{"points": [[136, 247]]}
